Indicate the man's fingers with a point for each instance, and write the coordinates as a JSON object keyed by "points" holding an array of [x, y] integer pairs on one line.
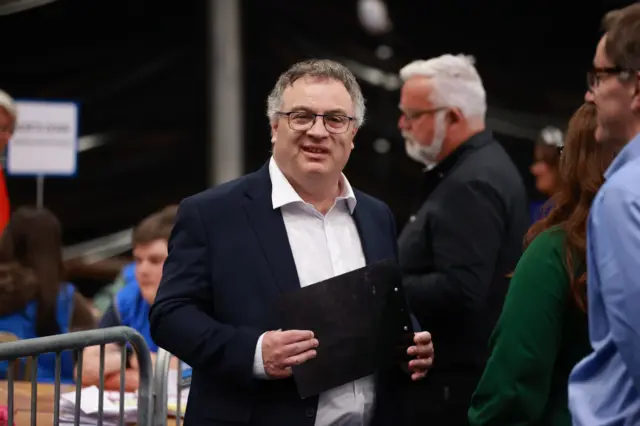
{"points": [[422, 338], [300, 358], [284, 373], [133, 362], [421, 351], [281, 373], [420, 365], [293, 336], [418, 376], [423, 345], [293, 349]]}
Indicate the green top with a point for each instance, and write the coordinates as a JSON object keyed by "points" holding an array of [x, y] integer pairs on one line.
{"points": [[540, 336]]}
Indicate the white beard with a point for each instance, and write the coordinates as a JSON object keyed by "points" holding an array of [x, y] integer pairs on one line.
{"points": [[427, 154]]}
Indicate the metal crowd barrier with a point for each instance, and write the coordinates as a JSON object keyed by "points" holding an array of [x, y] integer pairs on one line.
{"points": [[77, 341], [161, 389]]}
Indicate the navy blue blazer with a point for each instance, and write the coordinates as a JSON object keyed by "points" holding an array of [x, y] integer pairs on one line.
{"points": [[229, 261]]}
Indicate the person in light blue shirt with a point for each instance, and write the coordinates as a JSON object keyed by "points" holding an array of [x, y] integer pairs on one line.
{"points": [[604, 388]]}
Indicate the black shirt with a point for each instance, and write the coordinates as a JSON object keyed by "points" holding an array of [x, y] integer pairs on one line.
{"points": [[460, 245]]}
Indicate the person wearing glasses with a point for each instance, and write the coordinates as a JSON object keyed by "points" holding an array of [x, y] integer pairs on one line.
{"points": [[237, 247], [604, 388], [545, 169], [465, 237]]}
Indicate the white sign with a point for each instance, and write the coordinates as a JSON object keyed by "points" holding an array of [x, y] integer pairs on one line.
{"points": [[45, 141]]}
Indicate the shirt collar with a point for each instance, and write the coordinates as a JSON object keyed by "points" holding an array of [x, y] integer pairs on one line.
{"points": [[630, 152], [476, 141], [282, 193]]}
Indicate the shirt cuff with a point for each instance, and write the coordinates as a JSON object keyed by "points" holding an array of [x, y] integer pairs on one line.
{"points": [[258, 366]]}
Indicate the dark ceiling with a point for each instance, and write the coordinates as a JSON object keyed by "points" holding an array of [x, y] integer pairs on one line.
{"points": [[139, 71]]}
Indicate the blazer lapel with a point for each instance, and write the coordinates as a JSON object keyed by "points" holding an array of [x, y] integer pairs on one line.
{"points": [[269, 228], [368, 233]]}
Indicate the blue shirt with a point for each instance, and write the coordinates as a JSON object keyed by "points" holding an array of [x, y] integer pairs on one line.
{"points": [[130, 309], [23, 325], [539, 210], [603, 387]]}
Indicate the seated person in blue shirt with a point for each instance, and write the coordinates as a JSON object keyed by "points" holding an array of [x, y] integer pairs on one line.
{"points": [[34, 299], [130, 305], [545, 169], [103, 298]]}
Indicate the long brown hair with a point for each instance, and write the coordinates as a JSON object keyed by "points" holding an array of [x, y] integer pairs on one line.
{"points": [[582, 166], [31, 247]]}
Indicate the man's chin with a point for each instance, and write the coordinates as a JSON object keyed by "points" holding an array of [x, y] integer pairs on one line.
{"points": [[316, 167]]}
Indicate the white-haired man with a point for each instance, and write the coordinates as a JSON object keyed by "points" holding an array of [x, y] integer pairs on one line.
{"points": [[465, 236], [7, 125]]}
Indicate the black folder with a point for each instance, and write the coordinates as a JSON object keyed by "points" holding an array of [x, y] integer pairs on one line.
{"points": [[361, 321]]}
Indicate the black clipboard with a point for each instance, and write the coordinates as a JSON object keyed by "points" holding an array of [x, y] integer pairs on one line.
{"points": [[360, 319]]}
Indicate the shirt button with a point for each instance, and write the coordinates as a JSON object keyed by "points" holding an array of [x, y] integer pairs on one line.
{"points": [[440, 175], [412, 218], [310, 412]]}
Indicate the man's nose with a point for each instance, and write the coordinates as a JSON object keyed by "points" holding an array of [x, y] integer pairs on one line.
{"points": [[143, 268], [402, 122], [318, 129], [588, 96]]}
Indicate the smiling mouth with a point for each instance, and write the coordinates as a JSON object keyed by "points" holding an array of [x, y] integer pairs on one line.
{"points": [[313, 150]]}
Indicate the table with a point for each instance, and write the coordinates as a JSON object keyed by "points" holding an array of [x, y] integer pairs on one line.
{"points": [[44, 415]]}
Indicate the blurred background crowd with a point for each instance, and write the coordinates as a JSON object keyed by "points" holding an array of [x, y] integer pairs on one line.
{"points": [[172, 100]]}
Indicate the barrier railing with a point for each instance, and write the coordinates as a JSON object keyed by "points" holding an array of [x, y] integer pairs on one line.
{"points": [[77, 341], [161, 389]]}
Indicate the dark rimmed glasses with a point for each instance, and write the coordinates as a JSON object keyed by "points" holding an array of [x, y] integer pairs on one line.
{"points": [[598, 74], [304, 120]]}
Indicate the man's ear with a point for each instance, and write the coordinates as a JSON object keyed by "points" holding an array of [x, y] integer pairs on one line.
{"points": [[635, 102], [454, 115], [274, 131]]}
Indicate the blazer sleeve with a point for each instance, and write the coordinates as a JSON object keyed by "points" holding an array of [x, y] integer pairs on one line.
{"points": [[182, 319], [515, 386]]}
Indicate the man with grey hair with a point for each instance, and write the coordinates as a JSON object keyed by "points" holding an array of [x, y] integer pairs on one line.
{"points": [[465, 236], [237, 247], [8, 114]]}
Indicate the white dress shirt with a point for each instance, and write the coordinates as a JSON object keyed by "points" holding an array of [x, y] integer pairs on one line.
{"points": [[323, 246]]}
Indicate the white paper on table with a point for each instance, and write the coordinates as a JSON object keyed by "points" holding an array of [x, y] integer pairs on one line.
{"points": [[89, 404], [172, 394]]}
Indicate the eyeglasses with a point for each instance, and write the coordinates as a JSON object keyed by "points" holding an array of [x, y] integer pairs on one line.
{"points": [[599, 74], [305, 120], [414, 115]]}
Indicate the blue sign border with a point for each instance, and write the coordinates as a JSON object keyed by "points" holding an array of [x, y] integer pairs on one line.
{"points": [[74, 173]]}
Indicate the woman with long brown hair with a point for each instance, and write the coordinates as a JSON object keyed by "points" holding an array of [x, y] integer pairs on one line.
{"points": [[34, 299], [543, 330]]}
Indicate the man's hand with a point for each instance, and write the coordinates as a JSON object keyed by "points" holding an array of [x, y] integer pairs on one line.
{"points": [[283, 349], [423, 351]]}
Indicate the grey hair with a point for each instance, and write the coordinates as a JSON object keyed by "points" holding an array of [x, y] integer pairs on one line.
{"points": [[320, 68], [8, 104], [456, 83]]}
